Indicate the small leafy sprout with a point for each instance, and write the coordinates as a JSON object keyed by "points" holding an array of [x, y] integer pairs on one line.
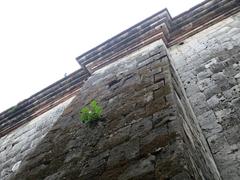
{"points": [[92, 113]]}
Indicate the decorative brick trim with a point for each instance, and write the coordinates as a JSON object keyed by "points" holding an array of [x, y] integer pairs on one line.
{"points": [[42, 101], [159, 26]]}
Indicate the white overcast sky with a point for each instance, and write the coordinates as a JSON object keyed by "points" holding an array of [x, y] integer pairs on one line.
{"points": [[40, 39]]}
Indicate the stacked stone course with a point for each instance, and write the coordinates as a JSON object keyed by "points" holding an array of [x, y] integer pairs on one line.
{"points": [[169, 88], [143, 136], [208, 66], [19, 143]]}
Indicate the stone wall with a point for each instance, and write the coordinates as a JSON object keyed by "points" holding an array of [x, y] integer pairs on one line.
{"points": [[195, 143], [208, 66], [20, 142], [148, 131], [159, 106]]}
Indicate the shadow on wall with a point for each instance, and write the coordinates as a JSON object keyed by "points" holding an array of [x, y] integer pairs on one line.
{"points": [[17, 144]]}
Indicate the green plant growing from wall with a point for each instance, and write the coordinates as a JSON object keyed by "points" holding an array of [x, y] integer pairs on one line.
{"points": [[91, 113]]}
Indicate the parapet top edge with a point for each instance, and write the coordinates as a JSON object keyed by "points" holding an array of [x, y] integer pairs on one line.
{"points": [[109, 46]]}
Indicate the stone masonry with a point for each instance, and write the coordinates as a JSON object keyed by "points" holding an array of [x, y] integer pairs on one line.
{"points": [[148, 130], [170, 93], [208, 65], [17, 144]]}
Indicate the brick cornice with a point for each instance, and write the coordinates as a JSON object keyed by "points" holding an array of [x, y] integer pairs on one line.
{"points": [[159, 26], [42, 101]]}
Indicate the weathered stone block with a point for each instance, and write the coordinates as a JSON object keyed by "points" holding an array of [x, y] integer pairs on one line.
{"points": [[139, 170], [123, 153]]}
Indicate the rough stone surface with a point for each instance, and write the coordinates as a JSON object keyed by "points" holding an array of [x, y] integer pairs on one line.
{"points": [[148, 130], [208, 66], [20, 142], [168, 113]]}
